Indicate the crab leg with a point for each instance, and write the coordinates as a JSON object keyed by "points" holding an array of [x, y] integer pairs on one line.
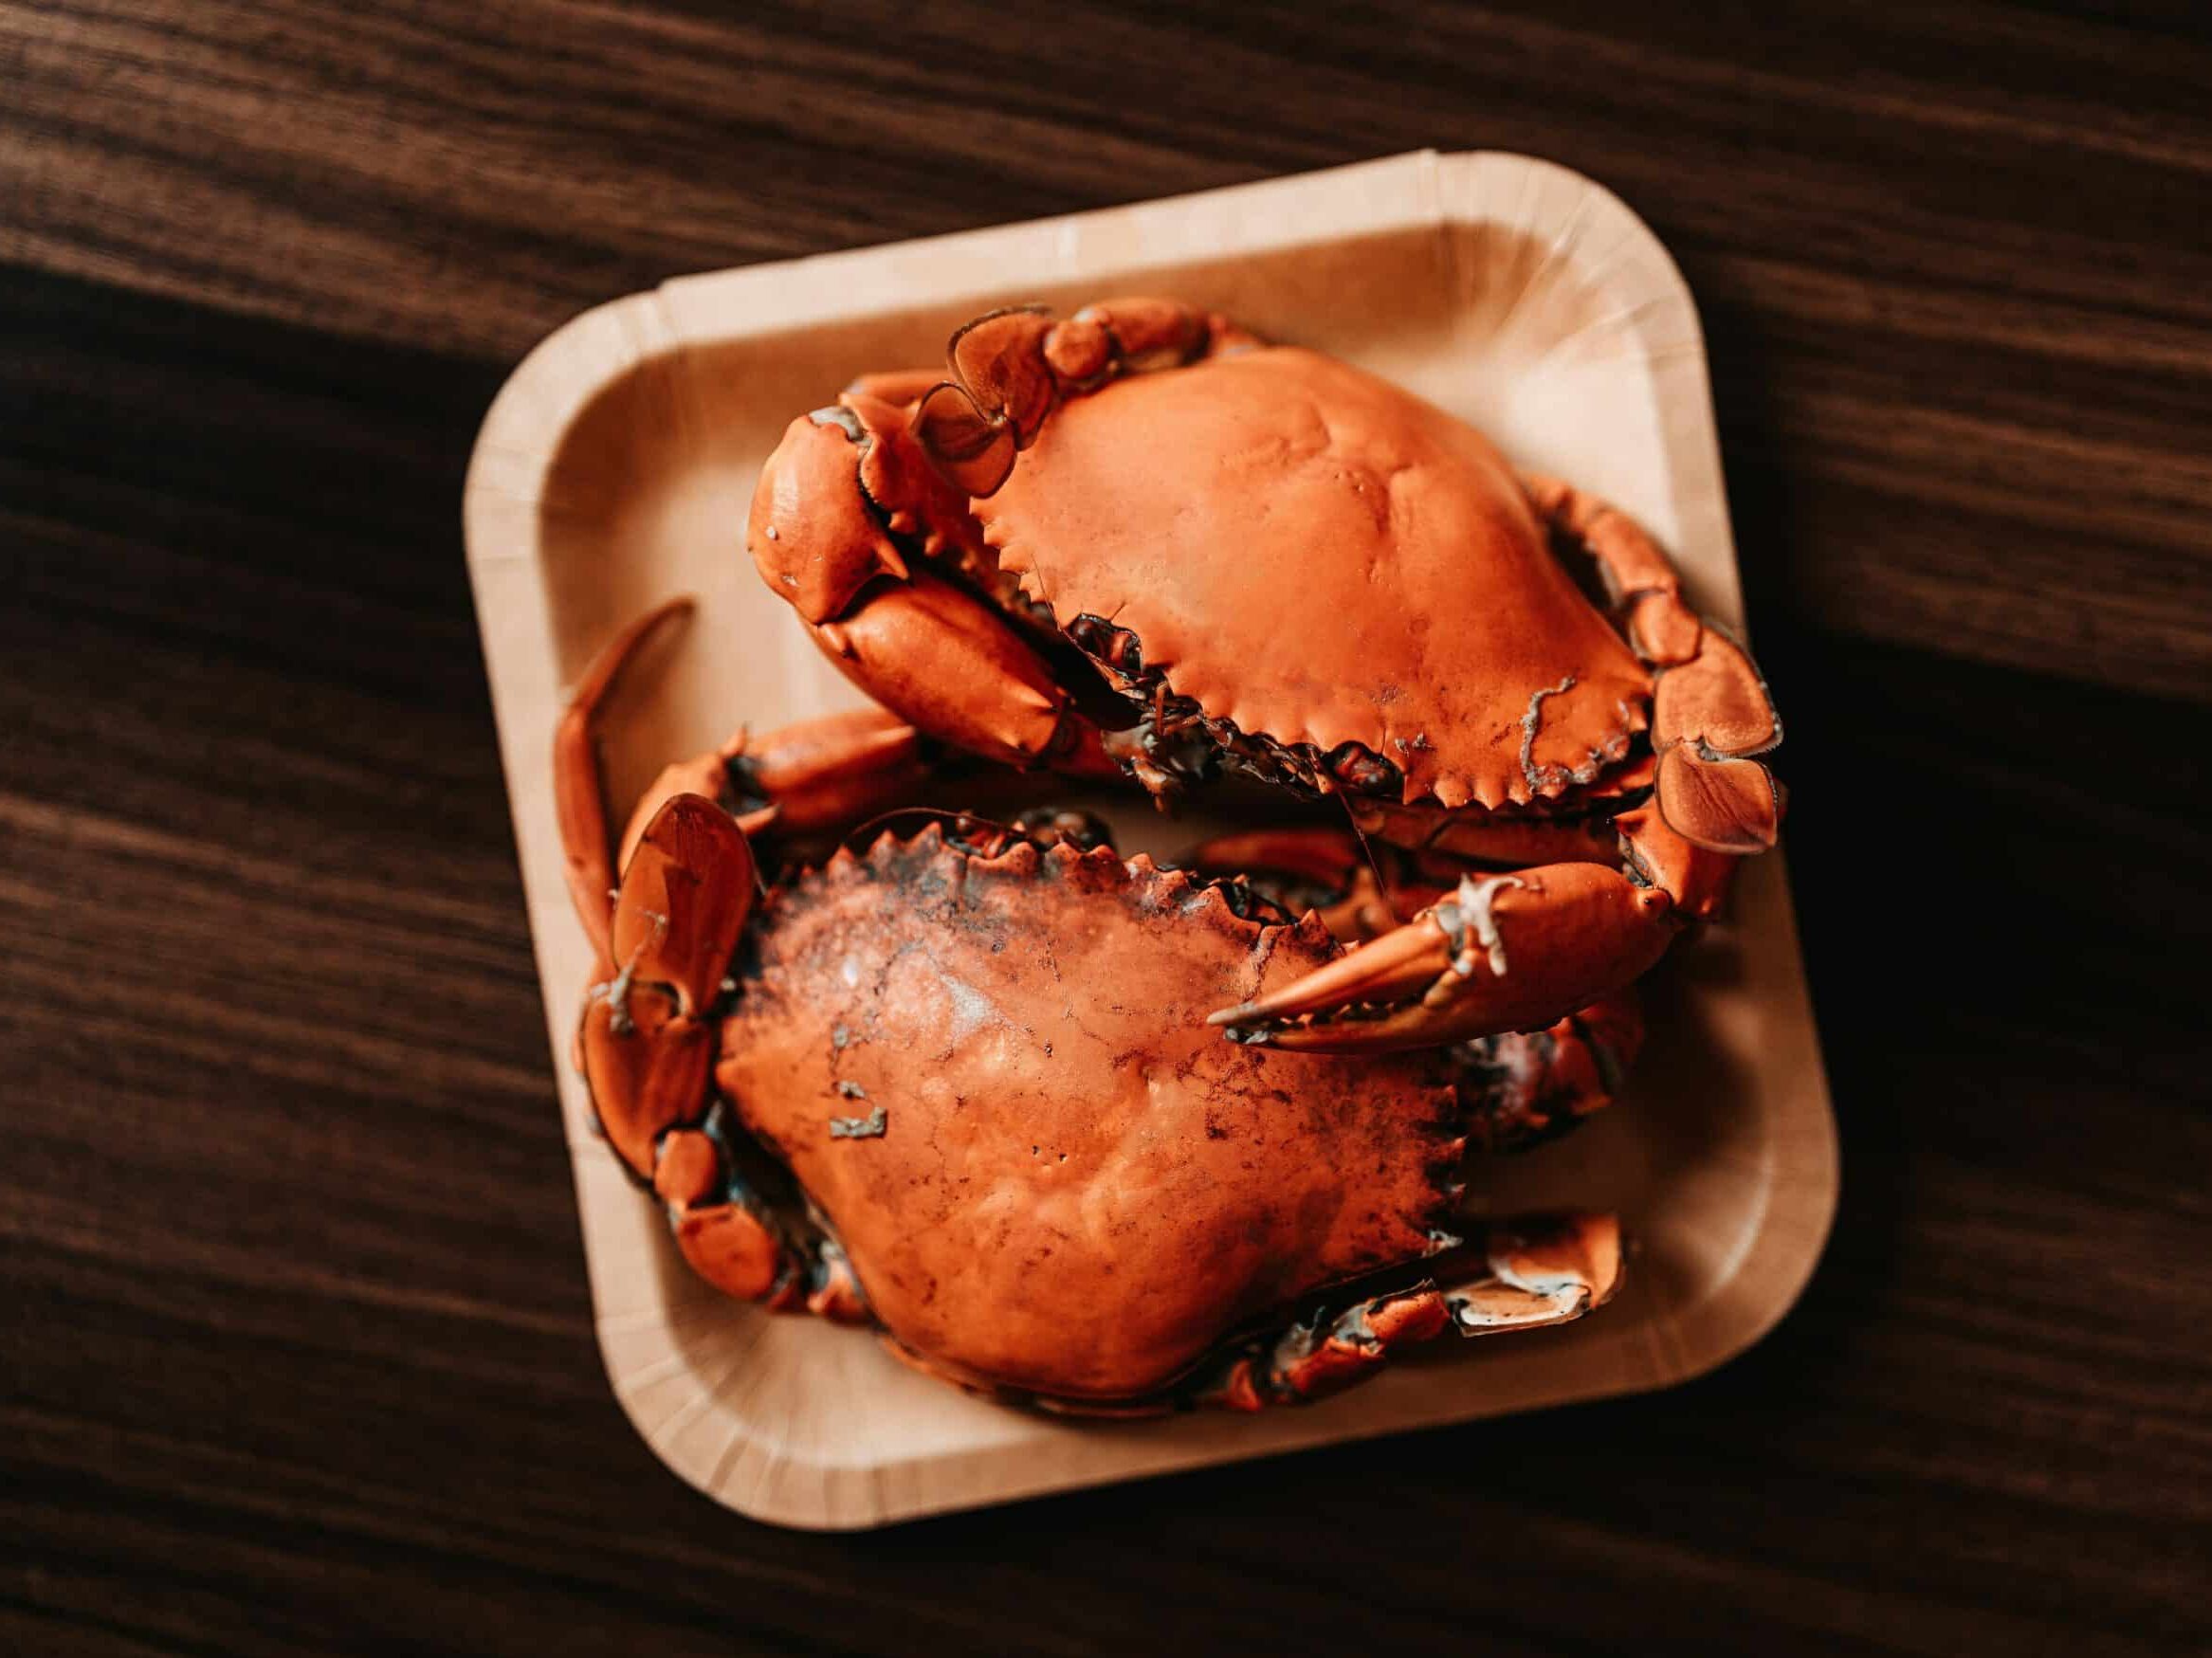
{"points": [[1522, 1275], [663, 939], [1010, 368], [1522, 1089], [798, 779], [648, 1038], [578, 804], [1413, 859], [1711, 709], [1488, 838], [1315, 867]]}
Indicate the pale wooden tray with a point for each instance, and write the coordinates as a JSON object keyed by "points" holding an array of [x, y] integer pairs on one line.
{"points": [[614, 469]]}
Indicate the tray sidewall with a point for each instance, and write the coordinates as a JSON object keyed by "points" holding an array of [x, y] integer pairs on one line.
{"points": [[502, 509]]}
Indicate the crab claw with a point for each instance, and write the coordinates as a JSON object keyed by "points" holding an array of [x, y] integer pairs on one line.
{"points": [[684, 900], [1502, 953], [1011, 367], [645, 1068], [813, 533], [940, 658]]}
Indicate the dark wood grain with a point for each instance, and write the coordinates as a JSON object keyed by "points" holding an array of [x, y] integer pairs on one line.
{"points": [[1954, 255], [295, 1348]]}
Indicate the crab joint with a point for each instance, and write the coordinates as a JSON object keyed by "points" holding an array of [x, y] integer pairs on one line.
{"points": [[616, 992]]}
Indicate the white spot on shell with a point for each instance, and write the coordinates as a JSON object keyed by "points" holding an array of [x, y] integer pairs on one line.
{"points": [[849, 970], [971, 1008], [873, 1126]]}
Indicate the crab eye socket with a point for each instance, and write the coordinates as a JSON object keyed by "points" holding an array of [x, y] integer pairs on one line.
{"points": [[972, 452]]}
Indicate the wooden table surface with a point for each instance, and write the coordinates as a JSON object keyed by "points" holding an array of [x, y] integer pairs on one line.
{"points": [[295, 1352]]}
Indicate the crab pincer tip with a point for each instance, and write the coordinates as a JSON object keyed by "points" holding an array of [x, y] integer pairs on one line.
{"points": [[1239, 1014], [1250, 1035]]}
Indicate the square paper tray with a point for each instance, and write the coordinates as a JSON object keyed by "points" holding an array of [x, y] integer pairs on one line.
{"points": [[614, 469]]}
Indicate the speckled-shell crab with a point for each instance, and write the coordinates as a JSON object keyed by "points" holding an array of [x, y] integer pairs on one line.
{"points": [[958, 1082], [1138, 540]]}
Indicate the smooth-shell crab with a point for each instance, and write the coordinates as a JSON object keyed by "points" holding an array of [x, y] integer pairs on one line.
{"points": [[1139, 540], [971, 1082]]}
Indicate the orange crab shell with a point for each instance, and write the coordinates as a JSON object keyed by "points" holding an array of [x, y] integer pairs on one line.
{"points": [[1047, 1172], [1316, 556]]}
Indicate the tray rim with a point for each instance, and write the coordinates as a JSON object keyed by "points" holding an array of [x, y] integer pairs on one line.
{"points": [[521, 439]]}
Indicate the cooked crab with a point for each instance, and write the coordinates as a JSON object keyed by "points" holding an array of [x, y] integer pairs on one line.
{"points": [[959, 1084], [1139, 540], [965, 1086]]}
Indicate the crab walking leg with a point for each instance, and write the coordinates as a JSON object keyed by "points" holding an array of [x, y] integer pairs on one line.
{"points": [[1521, 1275], [723, 1233], [648, 1038], [1522, 1089], [1482, 838], [799, 778], [1710, 710], [579, 804], [1010, 369], [814, 775], [1314, 868], [730, 1234], [662, 940]]}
